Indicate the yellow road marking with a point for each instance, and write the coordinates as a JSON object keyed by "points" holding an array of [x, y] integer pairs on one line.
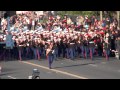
{"points": [[54, 70]]}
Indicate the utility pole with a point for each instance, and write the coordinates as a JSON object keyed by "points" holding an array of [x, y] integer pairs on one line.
{"points": [[118, 18], [100, 15], [33, 21]]}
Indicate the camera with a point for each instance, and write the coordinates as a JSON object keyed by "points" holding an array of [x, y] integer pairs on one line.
{"points": [[35, 74]]}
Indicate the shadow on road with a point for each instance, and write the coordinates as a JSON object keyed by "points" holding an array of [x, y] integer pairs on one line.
{"points": [[7, 73], [7, 69], [74, 65]]}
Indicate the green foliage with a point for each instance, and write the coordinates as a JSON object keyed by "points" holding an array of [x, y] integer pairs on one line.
{"points": [[75, 13], [89, 13]]}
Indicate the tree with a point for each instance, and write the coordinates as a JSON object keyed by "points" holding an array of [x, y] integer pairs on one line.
{"points": [[9, 14], [76, 13]]}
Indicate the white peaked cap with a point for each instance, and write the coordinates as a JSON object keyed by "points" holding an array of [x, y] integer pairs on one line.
{"points": [[48, 40], [20, 37]]}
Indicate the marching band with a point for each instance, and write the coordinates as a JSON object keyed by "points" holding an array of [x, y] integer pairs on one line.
{"points": [[58, 38]]}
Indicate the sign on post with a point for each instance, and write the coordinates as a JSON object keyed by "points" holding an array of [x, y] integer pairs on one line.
{"points": [[9, 41], [8, 23]]}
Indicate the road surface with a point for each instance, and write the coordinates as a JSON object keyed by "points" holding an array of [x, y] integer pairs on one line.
{"points": [[80, 68]]}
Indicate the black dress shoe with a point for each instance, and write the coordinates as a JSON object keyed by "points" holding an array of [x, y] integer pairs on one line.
{"points": [[50, 67]]}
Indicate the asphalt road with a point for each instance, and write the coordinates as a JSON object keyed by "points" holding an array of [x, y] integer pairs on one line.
{"points": [[99, 68]]}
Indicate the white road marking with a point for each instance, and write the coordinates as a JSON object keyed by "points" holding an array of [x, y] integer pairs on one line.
{"points": [[55, 70], [49, 72], [103, 62], [11, 77], [93, 65], [119, 71]]}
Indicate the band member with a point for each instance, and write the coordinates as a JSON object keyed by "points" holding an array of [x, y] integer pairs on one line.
{"points": [[31, 54], [24, 48], [118, 47], [106, 46], [56, 50], [67, 49], [92, 47], [49, 55], [37, 49], [100, 46], [79, 48], [64, 48], [43, 48], [27, 48], [72, 49], [20, 48], [15, 50], [34, 48], [86, 46], [59, 47], [76, 50], [82, 46]]}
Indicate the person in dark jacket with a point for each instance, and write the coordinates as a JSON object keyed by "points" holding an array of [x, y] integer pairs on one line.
{"points": [[118, 46], [91, 47], [86, 46], [107, 45]]}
